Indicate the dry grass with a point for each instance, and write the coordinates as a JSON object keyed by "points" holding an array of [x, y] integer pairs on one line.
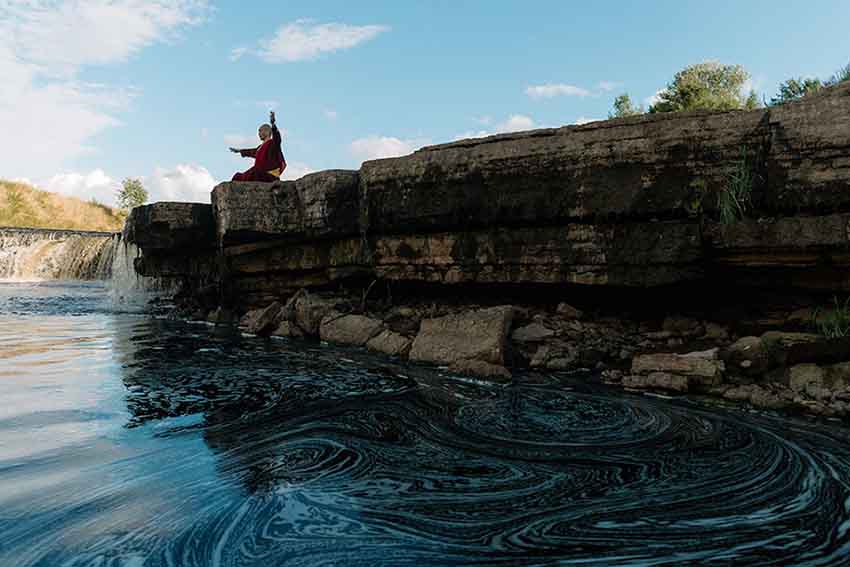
{"points": [[24, 206]]}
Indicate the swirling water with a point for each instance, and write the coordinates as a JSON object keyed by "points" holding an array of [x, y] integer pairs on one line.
{"points": [[127, 440]]}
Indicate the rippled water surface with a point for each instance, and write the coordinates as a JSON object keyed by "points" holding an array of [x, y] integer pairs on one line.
{"points": [[127, 440]]}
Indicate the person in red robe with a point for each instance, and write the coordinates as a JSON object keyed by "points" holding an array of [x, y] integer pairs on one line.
{"points": [[268, 156]]}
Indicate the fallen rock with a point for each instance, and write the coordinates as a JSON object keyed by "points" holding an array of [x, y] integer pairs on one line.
{"points": [[657, 380], [390, 342], [249, 318], [349, 329], [221, 316], [715, 332], [471, 335], [684, 365], [747, 355], [567, 311], [310, 310], [533, 333], [265, 320], [683, 326], [481, 369], [788, 349], [288, 329], [801, 376]]}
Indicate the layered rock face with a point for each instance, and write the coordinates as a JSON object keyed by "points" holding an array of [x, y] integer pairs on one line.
{"points": [[627, 202]]}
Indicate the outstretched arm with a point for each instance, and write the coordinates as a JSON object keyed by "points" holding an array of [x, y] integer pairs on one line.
{"points": [[250, 152]]}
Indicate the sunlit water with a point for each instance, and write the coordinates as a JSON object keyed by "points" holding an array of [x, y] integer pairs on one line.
{"points": [[127, 440]]}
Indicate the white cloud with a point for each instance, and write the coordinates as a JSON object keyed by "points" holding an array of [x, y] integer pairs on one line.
{"points": [[46, 114], [654, 99], [607, 86], [296, 170], [553, 90], [183, 182], [303, 40], [375, 147], [484, 120], [237, 52], [585, 120], [514, 123], [331, 115], [93, 185]]}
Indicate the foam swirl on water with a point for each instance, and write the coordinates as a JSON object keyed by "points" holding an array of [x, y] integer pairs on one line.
{"points": [[240, 452]]}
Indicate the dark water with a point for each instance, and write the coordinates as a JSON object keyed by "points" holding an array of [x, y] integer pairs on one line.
{"points": [[131, 441]]}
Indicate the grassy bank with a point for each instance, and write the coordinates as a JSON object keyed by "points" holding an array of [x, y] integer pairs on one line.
{"points": [[22, 205]]}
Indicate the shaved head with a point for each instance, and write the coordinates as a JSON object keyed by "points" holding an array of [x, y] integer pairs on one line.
{"points": [[264, 131]]}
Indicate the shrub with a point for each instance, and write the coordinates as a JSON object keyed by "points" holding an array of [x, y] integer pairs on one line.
{"points": [[735, 198], [833, 323]]}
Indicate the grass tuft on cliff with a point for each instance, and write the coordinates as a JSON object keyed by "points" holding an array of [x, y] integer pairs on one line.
{"points": [[22, 205]]}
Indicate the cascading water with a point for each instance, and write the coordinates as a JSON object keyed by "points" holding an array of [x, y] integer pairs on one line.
{"points": [[29, 254], [126, 285]]}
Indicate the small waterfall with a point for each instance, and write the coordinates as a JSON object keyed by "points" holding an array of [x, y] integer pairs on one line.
{"points": [[127, 287], [55, 254]]}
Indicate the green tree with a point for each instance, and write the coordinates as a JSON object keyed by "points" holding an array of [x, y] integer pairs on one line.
{"points": [[623, 106], [706, 86], [132, 194], [792, 89]]}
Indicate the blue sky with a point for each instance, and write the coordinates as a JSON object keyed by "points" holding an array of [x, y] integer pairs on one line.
{"points": [[95, 91]]}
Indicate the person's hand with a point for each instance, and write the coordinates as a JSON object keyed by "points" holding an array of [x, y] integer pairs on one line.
{"points": [[234, 150], [271, 117]]}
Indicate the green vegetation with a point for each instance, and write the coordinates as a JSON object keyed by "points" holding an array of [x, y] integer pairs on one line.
{"points": [[132, 194], [735, 199], [833, 323], [623, 107], [792, 89], [714, 86], [797, 88], [24, 206], [706, 86]]}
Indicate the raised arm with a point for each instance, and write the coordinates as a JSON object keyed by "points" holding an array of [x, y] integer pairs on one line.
{"points": [[275, 132]]}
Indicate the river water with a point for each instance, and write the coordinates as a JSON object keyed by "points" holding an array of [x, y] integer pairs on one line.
{"points": [[127, 440]]}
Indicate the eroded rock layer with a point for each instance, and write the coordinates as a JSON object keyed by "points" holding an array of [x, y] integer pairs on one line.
{"points": [[629, 202]]}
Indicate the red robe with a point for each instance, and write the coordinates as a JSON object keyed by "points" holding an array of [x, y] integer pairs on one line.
{"points": [[268, 157]]}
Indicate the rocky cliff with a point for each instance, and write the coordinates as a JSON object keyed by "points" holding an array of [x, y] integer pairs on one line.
{"points": [[625, 205], [627, 202]]}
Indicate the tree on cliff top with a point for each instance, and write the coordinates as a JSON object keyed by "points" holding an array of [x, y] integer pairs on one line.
{"points": [[792, 89], [623, 106], [706, 86], [797, 88], [132, 194]]}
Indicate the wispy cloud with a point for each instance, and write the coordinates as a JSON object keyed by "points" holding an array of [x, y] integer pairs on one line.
{"points": [[585, 120], [331, 114], [608, 86], [653, 99], [552, 90], [375, 147], [43, 46], [513, 123], [183, 182], [304, 40]]}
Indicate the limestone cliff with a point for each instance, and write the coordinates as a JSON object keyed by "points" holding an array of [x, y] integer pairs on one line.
{"points": [[627, 202]]}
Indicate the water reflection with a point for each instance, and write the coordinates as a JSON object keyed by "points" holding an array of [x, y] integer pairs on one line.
{"points": [[175, 444]]}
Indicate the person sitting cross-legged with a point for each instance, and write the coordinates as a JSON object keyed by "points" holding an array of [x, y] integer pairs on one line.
{"points": [[269, 163]]}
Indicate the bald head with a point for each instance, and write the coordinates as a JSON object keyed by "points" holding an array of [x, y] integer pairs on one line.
{"points": [[265, 132]]}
